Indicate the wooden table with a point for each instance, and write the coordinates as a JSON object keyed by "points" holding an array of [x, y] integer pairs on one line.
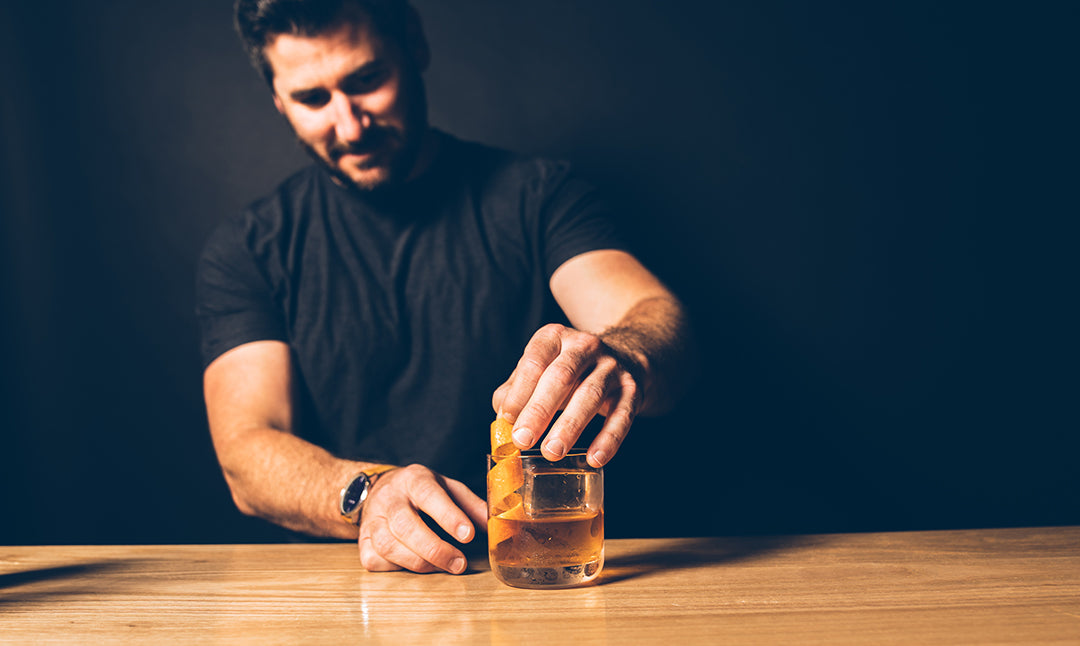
{"points": [[1001, 586]]}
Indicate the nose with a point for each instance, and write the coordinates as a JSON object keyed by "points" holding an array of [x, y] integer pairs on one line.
{"points": [[349, 119]]}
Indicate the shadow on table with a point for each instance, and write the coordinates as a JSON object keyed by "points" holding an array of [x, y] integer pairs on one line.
{"points": [[692, 552], [52, 581], [13, 579]]}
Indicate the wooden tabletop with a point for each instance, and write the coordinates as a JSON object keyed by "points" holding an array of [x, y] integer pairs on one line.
{"points": [[1001, 586]]}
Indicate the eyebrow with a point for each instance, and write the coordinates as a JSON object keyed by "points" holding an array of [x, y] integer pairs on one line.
{"points": [[366, 68]]}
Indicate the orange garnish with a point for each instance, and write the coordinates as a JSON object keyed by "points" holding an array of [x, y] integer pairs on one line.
{"points": [[504, 479], [502, 444]]}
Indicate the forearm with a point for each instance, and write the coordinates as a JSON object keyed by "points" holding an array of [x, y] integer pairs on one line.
{"points": [[284, 479], [655, 342]]}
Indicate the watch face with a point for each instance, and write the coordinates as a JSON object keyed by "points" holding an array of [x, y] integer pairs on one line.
{"points": [[354, 494]]}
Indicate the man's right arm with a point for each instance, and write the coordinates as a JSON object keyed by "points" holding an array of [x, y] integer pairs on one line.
{"points": [[275, 475], [272, 473]]}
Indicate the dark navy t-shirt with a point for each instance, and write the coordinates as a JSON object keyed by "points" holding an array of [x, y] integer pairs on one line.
{"points": [[403, 311]]}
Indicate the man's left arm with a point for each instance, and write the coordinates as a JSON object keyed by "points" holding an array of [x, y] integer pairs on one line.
{"points": [[629, 351]]}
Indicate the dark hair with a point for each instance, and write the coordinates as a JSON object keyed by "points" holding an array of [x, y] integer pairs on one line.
{"points": [[259, 21]]}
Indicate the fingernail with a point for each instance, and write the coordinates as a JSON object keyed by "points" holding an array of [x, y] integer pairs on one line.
{"points": [[522, 437], [457, 566], [555, 448], [599, 457], [463, 533]]}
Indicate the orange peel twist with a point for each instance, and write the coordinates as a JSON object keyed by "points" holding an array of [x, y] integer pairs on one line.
{"points": [[505, 478]]}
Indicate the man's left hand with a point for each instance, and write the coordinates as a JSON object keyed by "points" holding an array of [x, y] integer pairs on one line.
{"points": [[573, 371]]}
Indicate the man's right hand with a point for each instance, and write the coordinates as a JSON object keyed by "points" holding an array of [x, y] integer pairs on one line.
{"points": [[393, 536]]}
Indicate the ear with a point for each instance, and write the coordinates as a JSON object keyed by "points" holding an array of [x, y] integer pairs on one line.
{"points": [[416, 43]]}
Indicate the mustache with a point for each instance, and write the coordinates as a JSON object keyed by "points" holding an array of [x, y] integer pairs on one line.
{"points": [[370, 141]]}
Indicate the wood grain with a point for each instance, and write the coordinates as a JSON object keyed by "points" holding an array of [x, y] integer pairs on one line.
{"points": [[1002, 586]]}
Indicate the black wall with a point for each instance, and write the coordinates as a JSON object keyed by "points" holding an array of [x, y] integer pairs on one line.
{"points": [[868, 210]]}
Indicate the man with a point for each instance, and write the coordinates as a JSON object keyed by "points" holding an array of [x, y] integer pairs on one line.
{"points": [[356, 321]]}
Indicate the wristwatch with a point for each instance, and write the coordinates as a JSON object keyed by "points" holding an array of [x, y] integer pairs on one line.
{"points": [[356, 491]]}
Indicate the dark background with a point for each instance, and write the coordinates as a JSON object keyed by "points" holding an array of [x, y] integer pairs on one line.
{"points": [[868, 211]]}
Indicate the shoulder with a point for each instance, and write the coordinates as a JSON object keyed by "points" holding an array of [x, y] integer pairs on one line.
{"points": [[264, 230]]}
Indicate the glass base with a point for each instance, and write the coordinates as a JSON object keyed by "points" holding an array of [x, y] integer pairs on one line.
{"points": [[548, 577]]}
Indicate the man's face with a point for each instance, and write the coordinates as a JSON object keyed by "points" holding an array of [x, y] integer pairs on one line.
{"points": [[356, 102]]}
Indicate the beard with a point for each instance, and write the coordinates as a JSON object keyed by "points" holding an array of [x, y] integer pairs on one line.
{"points": [[391, 150]]}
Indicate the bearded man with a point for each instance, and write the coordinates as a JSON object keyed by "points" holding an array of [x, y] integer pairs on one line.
{"points": [[364, 323]]}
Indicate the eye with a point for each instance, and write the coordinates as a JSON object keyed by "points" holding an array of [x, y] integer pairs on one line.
{"points": [[364, 82], [312, 98]]}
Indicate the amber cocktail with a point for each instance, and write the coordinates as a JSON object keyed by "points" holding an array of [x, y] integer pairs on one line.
{"points": [[548, 533]]}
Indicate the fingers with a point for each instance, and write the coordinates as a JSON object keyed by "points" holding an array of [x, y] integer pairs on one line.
{"points": [[393, 535], [588, 399], [371, 559], [563, 368], [617, 425], [473, 505], [547, 375], [541, 350]]}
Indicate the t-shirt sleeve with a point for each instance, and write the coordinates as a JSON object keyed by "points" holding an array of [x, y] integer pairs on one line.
{"points": [[576, 219], [234, 301]]}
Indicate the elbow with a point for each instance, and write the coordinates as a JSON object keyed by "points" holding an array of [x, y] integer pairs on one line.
{"points": [[243, 503]]}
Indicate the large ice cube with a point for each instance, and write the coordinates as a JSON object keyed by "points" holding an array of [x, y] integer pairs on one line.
{"points": [[561, 491]]}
